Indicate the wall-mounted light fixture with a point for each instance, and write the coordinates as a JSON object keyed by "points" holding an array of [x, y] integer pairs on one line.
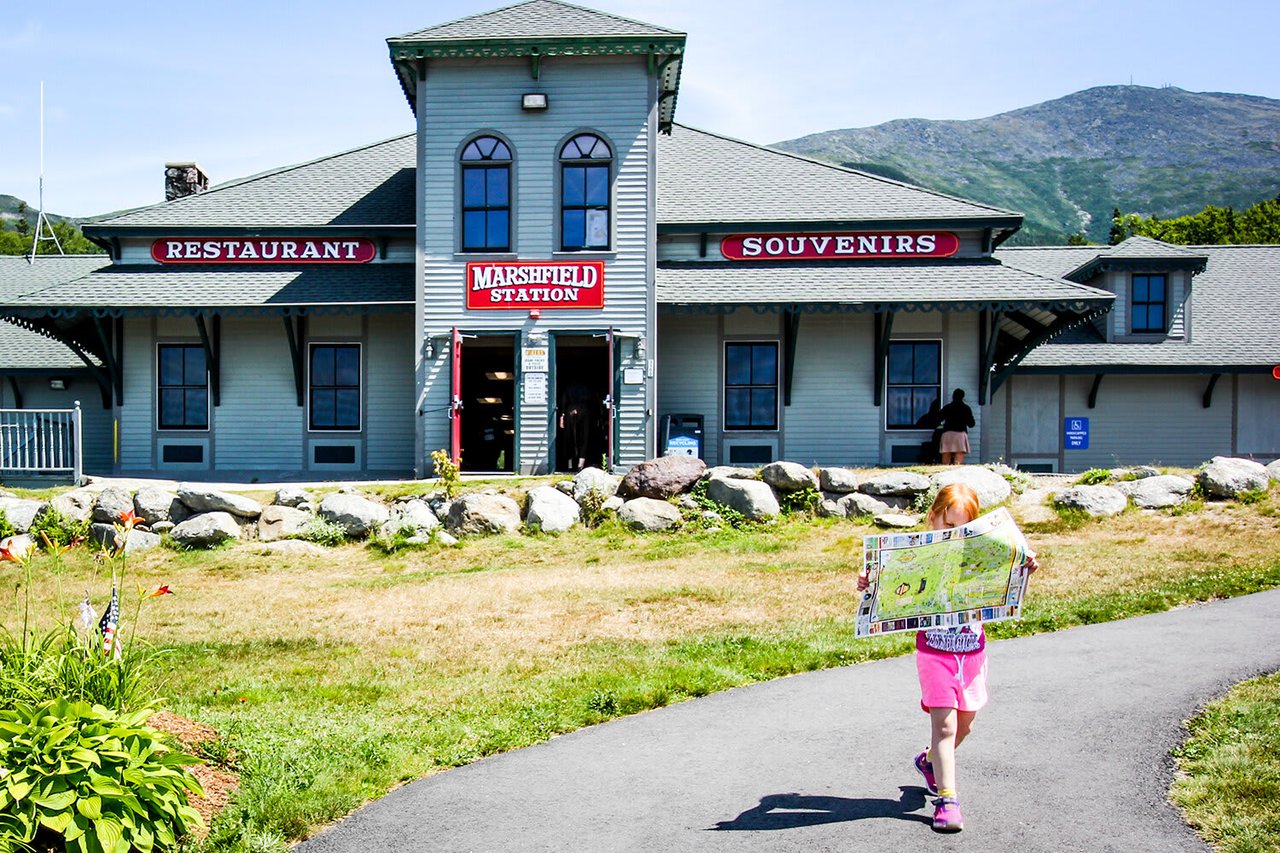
{"points": [[639, 346], [429, 349], [57, 384], [533, 101]]}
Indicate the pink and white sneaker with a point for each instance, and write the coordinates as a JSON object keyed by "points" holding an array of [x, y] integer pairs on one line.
{"points": [[946, 815], [925, 768]]}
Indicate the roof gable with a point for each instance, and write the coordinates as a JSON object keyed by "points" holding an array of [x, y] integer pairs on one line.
{"points": [[532, 20], [707, 179]]}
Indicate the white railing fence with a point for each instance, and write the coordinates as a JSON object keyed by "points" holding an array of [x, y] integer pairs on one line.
{"points": [[41, 443]]}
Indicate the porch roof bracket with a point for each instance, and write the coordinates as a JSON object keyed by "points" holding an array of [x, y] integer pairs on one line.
{"points": [[1093, 390], [112, 364], [296, 337], [47, 328], [1207, 400], [884, 330], [1064, 322], [988, 335], [212, 353], [790, 332]]}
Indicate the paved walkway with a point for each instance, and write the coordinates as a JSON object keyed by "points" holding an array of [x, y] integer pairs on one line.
{"points": [[1070, 755]]}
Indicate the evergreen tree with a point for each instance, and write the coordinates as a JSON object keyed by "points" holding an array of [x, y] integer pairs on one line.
{"points": [[1117, 234]]}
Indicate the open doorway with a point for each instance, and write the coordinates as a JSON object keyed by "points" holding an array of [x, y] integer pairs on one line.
{"points": [[583, 385], [488, 425]]}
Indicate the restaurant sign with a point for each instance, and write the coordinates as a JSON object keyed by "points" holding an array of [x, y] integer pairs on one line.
{"points": [[264, 250], [839, 246], [535, 284]]}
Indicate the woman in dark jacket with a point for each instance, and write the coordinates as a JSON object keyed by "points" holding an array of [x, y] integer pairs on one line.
{"points": [[956, 419]]}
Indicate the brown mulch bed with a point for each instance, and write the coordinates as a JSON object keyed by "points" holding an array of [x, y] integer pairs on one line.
{"points": [[218, 783]]}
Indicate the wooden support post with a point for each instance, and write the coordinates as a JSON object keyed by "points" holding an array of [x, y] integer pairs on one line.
{"points": [[884, 331], [212, 352], [110, 352], [1207, 400], [989, 335], [297, 338], [790, 332], [1093, 391]]}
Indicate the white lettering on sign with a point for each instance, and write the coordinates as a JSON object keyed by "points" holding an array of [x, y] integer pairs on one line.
{"points": [[896, 244], [262, 250]]}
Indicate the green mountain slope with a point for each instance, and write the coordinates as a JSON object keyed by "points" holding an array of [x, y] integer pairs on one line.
{"points": [[1066, 163]]}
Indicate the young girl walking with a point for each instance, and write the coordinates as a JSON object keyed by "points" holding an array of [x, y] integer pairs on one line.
{"points": [[952, 663]]}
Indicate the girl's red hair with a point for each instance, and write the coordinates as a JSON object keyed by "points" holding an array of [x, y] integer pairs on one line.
{"points": [[955, 495]]}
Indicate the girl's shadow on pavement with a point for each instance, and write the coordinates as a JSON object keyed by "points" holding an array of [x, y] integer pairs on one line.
{"points": [[790, 811]]}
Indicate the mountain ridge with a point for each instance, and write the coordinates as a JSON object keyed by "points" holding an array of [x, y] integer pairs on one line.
{"points": [[1067, 162]]}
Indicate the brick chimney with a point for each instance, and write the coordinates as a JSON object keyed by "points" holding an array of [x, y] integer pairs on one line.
{"points": [[183, 179]]}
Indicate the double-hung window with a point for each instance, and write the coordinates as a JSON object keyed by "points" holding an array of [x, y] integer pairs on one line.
{"points": [[182, 387], [751, 386], [335, 387], [914, 383], [486, 195], [1148, 307], [585, 166]]}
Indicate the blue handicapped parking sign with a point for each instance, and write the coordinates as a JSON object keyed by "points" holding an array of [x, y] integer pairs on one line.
{"points": [[1075, 433]]}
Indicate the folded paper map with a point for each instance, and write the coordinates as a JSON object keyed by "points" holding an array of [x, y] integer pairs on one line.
{"points": [[943, 578]]}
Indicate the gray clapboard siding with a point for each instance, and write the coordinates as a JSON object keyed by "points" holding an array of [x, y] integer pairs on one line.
{"points": [[95, 423], [1258, 417], [137, 416], [1149, 419], [257, 379], [459, 100], [832, 419], [388, 400], [1033, 414], [689, 374]]}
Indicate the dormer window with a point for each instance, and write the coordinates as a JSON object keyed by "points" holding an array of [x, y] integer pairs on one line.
{"points": [[1148, 312]]}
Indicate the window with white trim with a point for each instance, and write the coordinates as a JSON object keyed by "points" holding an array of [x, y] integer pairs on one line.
{"points": [[182, 387], [751, 386], [334, 392], [586, 162]]}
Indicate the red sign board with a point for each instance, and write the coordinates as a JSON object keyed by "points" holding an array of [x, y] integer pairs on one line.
{"points": [[1275, 372], [857, 245], [535, 284], [264, 250]]}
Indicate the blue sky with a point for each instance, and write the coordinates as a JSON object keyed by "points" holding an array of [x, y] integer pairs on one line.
{"points": [[242, 87]]}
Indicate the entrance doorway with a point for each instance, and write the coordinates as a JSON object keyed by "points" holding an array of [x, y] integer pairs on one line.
{"points": [[488, 395], [582, 414]]}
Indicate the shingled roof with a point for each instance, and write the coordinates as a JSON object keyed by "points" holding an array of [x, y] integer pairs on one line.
{"points": [[367, 187], [1235, 315], [708, 179], [532, 20]]}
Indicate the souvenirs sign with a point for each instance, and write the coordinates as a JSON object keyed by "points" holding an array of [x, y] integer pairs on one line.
{"points": [[535, 284], [839, 246], [264, 250], [943, 578]]}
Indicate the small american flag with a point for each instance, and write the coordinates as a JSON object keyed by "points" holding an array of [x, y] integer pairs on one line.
{"points": [[109, 625]]}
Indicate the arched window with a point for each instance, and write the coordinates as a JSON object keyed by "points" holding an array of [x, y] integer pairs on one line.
{"points": [[486, 195], [585, 163]]}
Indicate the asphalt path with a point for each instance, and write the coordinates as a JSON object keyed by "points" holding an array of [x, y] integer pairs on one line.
{"points": [[1072, 753]]}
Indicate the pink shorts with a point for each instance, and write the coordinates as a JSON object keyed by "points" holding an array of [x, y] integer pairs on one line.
{"points": [[952, 680]]}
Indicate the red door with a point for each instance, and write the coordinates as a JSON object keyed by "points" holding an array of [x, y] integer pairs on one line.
{"points": [[455, 401], [609, 405]]}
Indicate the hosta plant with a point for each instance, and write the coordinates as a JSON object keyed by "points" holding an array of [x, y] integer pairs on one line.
{"points": [[82, 778]]}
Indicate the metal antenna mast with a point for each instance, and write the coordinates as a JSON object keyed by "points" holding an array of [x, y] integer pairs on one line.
{"points": [[42, 221]]}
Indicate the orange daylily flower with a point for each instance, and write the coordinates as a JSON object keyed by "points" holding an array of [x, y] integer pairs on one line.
{"points": [[161, 590], [8, 554], [129, 519], [54, 548]]}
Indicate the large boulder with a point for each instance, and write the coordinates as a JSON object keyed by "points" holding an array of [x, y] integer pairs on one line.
{"points": [[140, 540], [206, 530], [1227, 477], [551, 510], [897, 483], [1162, 490], [1273, 470], [730, 472], [650, 514], [853, 505], [840, 480], [1095, 500], [416, 514], [292, 496], [281, 522], [153, 505], [595, 482], [483, 513], [788, 476], [896, 520], [990, 486], [358, 515], [201, 499], [294, 548], [753, 498], [20, 512], [76, 505], [112, 503], [662, 477]]}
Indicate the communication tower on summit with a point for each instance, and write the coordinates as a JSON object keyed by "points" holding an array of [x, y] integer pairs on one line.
{"points": [[42, 221]]}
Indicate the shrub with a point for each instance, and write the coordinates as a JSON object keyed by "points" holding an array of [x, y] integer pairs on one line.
{"points": [[395, 539], [1093, 477], [1252, 496], [6, 527], [728, 515], [52, 528], [923, 502], [323, 532], [91, 780], [447, 470], [804, 500]]}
